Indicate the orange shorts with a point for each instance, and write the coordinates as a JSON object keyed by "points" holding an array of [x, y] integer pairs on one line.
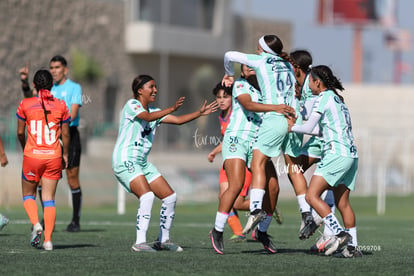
{"points": [[247, 181], [34, 169]]}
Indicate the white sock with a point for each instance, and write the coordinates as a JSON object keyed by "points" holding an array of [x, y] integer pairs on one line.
{"points": [[221, 219], [332, 223], [353, 232], [256, 199], [264, 224], [303, 204], [144, 216], [167, 214]]}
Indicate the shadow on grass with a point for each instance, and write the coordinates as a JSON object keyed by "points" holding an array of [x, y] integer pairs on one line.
{"points": [[68, 246]]}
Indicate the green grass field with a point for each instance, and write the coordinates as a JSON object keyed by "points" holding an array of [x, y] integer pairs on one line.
{"points": [[103, 245]]}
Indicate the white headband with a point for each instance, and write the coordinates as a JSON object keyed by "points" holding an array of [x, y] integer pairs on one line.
{"points": [[265, 47]]}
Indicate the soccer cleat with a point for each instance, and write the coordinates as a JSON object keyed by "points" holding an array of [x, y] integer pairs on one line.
{"points": [[254, 219], [73, 227], [319, 246], [142, 247], [278, 216], [237, 238], [217, 240], [263, 237], [36, 235], [167, 245], [308, 226], [48, 246], [349, 252], [3, 221], [337, 243]]}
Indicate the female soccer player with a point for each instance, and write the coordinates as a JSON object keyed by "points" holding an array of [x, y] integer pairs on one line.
{"points": [[237, 147], [224, 101], [46, 119], [129, 160], [338, 167], [277, 84]]}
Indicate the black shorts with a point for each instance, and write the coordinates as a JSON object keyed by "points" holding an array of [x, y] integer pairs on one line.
{"points": [[74, 148]]}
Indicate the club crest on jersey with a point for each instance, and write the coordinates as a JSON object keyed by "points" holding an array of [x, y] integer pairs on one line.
{"points": [[130, 166], [233, 148]]}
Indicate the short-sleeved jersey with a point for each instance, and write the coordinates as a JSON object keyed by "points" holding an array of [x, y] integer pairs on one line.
{"points": [[224, 122], [275, 75], [43, 138], [71, 93], [135, 136], [243, 123], [335, 124]]}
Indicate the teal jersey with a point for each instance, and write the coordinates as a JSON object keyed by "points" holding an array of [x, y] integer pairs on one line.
{"points": [[71, 93], [274, 74], [243, 123], [135, 136], [335, 124], [307, 99]]}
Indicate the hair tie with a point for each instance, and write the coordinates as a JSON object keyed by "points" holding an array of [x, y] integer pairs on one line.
{"points": [[266, 47]]}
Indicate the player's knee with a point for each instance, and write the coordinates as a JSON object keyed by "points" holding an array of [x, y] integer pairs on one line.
{"points": [[170, 199]]}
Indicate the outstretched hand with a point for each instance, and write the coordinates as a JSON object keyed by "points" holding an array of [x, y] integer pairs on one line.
{"points": [[207, 109], [227, 80], [291, 122], [179, 103]]}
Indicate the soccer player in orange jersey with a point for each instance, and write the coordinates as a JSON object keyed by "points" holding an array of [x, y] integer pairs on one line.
{"points": [[46, 119]]}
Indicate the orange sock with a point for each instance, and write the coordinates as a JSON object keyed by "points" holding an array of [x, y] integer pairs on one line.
{"points": [[30, 206], [234, 223], [50, 219]]}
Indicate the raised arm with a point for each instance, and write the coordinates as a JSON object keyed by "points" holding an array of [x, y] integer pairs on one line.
{"points": [[24, 78], [205, 109], [152, 116]]}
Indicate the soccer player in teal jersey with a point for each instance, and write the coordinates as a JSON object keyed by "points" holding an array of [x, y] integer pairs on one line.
{"points": [[338, 167], [237, 147], [138, 124], [277, 83]]}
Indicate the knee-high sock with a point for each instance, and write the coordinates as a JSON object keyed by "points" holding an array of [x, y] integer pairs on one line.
{"points": [[264, 224], [234, 222], [256, 199], [303, 204], [50, 218], [167, 214], [30, 206], [221, 219], [144, 216], [76, 204], [332, 223]]}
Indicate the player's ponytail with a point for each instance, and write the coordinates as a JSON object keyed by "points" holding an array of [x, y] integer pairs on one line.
{"points": [[43, 82]]}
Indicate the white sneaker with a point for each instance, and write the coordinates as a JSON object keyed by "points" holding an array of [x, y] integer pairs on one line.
{"points": [[48, 246], [337, 243], [3, 221], [254, 219], [36, 235], [142, 247]]}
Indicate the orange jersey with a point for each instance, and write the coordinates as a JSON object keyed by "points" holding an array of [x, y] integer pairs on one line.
{"points": [[43, 139], [223, 122]]}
